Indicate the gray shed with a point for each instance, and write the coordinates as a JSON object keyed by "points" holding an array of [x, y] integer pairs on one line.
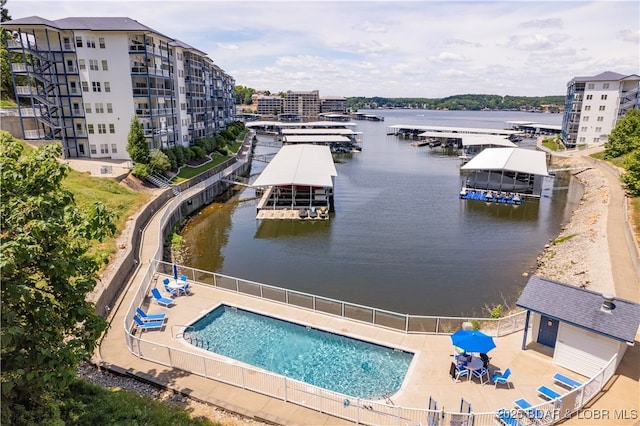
{"points": [[584, 328]]}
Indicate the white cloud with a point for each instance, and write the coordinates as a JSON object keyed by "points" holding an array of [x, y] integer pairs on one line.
{"points": [[449, 57], [544, 23], [632, 36]]}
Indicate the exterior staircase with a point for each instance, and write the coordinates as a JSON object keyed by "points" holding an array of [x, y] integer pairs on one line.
{"points": [[162, 182]]}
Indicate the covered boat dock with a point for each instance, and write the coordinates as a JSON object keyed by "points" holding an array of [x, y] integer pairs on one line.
{"points": [[505, 175], [298, 183], [413, 131]]}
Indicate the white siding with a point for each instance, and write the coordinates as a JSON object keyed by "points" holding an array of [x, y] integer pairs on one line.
{"points": [[582, 351]]}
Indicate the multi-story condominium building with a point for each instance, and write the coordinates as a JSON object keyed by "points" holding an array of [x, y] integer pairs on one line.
{"points": [[302, 104], [336, 104], [269, 105], [594, 105], [81, 81]]}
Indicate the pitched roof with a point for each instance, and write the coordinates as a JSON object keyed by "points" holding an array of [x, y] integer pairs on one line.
{"points": [[604, 76], [84, 23], [581, 308], [299, 165]]}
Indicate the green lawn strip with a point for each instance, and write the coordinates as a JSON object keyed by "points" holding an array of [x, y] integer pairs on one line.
{"points": [[187, 172]]}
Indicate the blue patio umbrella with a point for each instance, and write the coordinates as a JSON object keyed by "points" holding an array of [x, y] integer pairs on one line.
{"points": [[175, 271], [473, 341]]}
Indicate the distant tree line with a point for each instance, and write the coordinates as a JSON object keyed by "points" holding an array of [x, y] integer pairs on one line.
{"points": [[457, 102]]}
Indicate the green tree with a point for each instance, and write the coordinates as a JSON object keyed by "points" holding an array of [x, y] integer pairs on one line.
{"points": [[4, 12], [631, 177], [137, 145], [47, 326], [625, 136], [159, 162]]}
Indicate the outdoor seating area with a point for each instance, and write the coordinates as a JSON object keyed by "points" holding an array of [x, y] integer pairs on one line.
{"points": [[467, 342]]}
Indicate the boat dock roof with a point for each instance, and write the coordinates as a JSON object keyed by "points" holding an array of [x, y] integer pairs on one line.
{"points": [[310, 165], [471, 139], [519, 124], [450, 129], [308, 125], [510, 159], [317, 139], [318, 131]]}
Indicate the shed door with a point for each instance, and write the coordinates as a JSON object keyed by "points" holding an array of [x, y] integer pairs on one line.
{"points": [[582, 351], [548, 331]]}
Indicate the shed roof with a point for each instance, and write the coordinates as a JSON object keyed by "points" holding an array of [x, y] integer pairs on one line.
{"points": [[512, 159], [300, 164], [581, 308]]}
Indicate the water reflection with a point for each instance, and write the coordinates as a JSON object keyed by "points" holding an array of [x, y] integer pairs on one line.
{"points": [[292, 228]]}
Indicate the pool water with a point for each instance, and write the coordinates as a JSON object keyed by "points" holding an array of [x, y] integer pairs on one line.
{"points": [[349, 366]]}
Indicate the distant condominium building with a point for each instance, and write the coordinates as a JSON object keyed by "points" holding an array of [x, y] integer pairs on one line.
{"points": [[269, 105], [594, 105], [336, 104], [81, 80], [302, 104]]}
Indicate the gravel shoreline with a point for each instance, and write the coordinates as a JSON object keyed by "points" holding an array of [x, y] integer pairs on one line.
{"points": [[578, 256]]}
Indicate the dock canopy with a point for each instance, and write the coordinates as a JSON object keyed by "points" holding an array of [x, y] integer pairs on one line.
{"points": [[302, 164], [517, 160]]}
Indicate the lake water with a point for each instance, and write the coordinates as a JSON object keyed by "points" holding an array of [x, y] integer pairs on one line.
{"points": [[400, 238]]}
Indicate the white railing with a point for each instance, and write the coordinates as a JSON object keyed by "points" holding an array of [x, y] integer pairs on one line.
{"points": [[34, 134]]}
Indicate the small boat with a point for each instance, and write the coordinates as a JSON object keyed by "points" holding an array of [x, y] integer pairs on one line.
{"points": [[303, 213], [323, 213], [312, 213]]}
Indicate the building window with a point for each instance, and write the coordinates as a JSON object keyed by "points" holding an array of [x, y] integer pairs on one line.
{"points": [[182, 89], [67, 43], [596, 140], [96, 86], [605, 85], [587, 107], [112, 129], [591, 86], [102, 129], [93, 64], [585, 118], [85, 86], [87, 108], [603, 97], [109, 108], [78, 41], [598, 129], [589, 97], [107, 86], [99, 108], [90, 127], [104, 148], [81, 64], [582, 139], [183, 106], [101, 42], [114, 148], [583, 128], [600, 118], [601, 108], [93, 149], [91, 42], [105, 65]]}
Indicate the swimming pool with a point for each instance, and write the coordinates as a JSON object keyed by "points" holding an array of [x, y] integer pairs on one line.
{"points": [[349, 366]]}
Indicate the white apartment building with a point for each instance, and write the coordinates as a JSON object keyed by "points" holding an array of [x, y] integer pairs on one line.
{"points": [[81, 80], [337, 104], [594, 105], [269, 105]]}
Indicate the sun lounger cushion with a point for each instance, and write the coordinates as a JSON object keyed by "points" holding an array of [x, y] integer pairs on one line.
{"points": [[548, 393], [566, 381]]}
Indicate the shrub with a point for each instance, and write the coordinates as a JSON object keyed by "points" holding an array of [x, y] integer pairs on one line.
{"points": [[141, 171], [172, 158], [197, 151], [159, 162]]}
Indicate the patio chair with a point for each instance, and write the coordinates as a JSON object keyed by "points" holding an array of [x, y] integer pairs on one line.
{"points": [[502, 378], [150, 317], [526, 406], [147, 325], [165, 282], [170, 290], [504, 417], [159, 299], [482, 374], [184, 290], [183, 278], [457, 371], [566, 381]]}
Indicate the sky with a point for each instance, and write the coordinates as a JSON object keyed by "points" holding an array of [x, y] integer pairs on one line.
{"points": [[419, 48]]}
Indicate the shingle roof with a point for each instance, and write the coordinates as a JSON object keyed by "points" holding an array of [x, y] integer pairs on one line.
{"points": [[581, 308], [84, 23], [604, 76]]}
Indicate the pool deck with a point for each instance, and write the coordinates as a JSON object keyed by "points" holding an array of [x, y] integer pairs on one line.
{"points": [[428, 375]]}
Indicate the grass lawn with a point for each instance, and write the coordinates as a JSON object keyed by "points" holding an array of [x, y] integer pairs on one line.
{"points": [[119, 200], [187, 172], [7, 103]]}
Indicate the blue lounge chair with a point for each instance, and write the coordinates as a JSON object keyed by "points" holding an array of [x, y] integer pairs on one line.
{"points": [[502, 378], [526, 406], [566, 381], [504, 416], [548, 393], [150, 317], [147, 325], [159, 299]]}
